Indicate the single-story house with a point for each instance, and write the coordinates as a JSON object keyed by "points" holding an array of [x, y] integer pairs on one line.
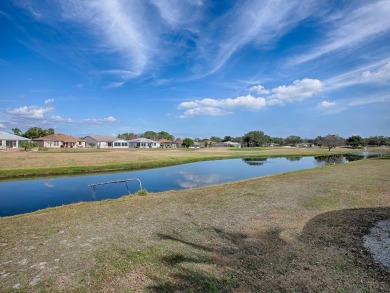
{"points": [[8, 140], [120, 144], [165, 143], [59, 140], [179, 143], [101, 141], [143, 143], [226, 144]]}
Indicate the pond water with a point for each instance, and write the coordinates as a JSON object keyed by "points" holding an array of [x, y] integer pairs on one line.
{"points": [[23, 196]]}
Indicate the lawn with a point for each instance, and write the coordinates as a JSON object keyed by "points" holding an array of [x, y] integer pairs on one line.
{"points": [[294, 232], [78, 161]]}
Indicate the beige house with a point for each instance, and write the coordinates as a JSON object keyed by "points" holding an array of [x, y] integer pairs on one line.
{"points": [[59, 140], [165, 143]]}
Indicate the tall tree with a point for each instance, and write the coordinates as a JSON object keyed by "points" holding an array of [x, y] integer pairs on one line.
{"points": [[17, 131], [165, 135], [255, 139], [150, 135], [293, 140], [188, 142], [355, 141], [34, 132], [215, 139], [332, 141]]}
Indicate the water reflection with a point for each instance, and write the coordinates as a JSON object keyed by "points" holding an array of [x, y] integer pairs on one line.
{"points": [[48, 184], [294, 159], [330, 160], [49, 192], [193, 180], [255, 161]]}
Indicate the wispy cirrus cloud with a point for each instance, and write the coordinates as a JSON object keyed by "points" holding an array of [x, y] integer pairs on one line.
{"points": [[351, 29], [375, 73], [297, 91], [250, 22]]}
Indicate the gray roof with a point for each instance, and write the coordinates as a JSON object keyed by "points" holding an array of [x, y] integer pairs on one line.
{"points": [[142, 139], [103, 138], [9, 136]]}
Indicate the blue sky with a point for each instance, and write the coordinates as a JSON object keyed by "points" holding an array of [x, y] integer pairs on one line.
{"points": [[196, 68]]}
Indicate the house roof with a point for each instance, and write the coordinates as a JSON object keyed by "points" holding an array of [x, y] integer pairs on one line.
{"points": [[9, 136], [163, 140], [59, 137], [103, 138], [141, 139]]}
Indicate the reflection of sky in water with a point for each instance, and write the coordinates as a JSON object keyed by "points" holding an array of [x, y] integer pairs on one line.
{"points": [[192, 180], [49, 184]]}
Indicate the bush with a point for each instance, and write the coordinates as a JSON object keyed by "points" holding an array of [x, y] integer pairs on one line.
{"points": [[142, 192], [43, 149]]}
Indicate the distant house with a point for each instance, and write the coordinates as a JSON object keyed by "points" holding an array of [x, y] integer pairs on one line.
{"points": [[143, 143], [8, 140], [59, 140], [179, 143], [226, 144], [120, 144], [165, 143], [101, 141]]}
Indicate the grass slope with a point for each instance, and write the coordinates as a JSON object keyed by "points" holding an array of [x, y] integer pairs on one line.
{"points": [[295, 232], [61, 162]]}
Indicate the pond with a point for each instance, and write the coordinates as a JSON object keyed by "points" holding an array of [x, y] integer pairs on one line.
{"points": [[23, 196]]}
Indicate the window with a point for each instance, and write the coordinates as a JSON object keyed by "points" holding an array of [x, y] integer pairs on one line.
{"points": [[56, 143]]}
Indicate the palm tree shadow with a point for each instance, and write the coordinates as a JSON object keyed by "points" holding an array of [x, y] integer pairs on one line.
{"points": [[265, 262]]}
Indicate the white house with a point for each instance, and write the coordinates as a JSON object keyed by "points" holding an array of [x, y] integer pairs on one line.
{"points": [[101, 141], [120, 144], [227, 144], [143, 143], [8, 140]]}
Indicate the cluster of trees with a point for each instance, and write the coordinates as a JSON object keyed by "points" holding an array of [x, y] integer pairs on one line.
{"points": [[33, 132]]}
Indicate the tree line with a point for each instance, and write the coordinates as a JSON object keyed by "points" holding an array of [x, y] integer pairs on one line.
{"points": [[251, 139]]}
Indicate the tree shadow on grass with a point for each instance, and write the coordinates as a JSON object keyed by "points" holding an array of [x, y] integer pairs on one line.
{"points": [[328, 256]]}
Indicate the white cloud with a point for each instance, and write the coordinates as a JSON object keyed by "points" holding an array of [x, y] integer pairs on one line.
{"points": [[107, 120], [374, 73], [327, 104], [259, 89], [251, 22], [353, 29], [33, 112], [27, 116], [2, 125], [298, 91]]}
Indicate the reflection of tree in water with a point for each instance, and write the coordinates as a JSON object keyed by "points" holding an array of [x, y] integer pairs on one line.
{"points": [[294, 159], [352, 157], [254, 161], [330, 160]]}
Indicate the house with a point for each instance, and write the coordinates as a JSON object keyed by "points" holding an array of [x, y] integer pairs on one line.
{"points": [[59, 140], [179, 143], [143, 143], [227, 144], [165, 143], [8, 140], [101, 141], [120, 144]]}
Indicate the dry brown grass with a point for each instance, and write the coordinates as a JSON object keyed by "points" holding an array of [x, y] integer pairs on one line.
{"points": [[295, 232], [12, 160]]}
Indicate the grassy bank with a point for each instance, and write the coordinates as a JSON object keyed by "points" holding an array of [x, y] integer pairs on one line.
{"points": [[65, 162], [295, 232]]}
